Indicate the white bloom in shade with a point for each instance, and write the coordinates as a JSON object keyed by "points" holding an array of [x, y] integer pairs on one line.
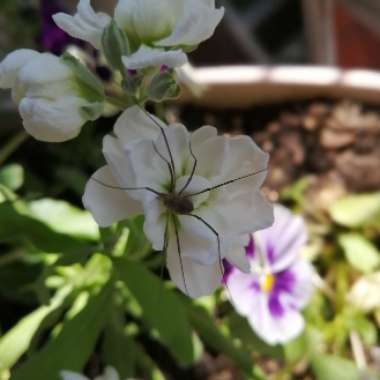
{"points": [[149, 57], [86, 24], [280, 282], [53, 101], [196, 190], [168, 23], [109, 374], [365, 293]]}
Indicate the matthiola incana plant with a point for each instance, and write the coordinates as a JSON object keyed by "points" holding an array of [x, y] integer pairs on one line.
{"points": [[197, 191], [279, 283]]}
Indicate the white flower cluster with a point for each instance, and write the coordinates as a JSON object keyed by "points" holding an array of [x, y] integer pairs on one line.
{"points": [[110, 373], [199, 192]]}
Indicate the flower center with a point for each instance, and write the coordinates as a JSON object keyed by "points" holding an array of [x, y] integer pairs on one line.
{"points": [[178, 204], [267, 283]]}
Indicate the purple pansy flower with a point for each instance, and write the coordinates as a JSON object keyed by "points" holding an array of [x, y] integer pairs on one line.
{"points": [[280, 282]]}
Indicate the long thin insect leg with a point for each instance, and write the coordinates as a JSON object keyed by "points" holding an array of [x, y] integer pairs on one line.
{"points": [[192, 170], [163, 135], [227, 183], [167, 163], [220, 260], [180, 257], [146, 188]]}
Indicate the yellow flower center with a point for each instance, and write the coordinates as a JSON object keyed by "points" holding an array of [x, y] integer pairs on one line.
{"points": [[267, 283]]}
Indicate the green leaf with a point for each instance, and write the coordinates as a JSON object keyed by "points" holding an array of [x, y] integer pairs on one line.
{"points": [[360, 252], [12, 176], [161, 308], [119, 349], [17, 340], [356, 210], [16, 226], [74, 344], [205, 327], [65, 218], [327, 367]]}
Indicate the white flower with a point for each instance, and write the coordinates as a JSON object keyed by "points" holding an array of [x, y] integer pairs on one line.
{"points": [[109, 374], [148, 57], [53, 101], [86, 24], [168, 23], [153, 27], [150, 170], [365, 293]]}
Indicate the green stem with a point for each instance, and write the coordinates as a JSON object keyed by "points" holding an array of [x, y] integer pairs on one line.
{"points": [[12, 145], [117, 102]]}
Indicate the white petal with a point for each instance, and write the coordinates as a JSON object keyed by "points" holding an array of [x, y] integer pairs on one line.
{"points": [[109, 374], [198, 241], [177, 142], [52, 121], [235, 252], [135, 124], [148, 57], [68, 375], [195, 280], [197, 24], [202, 134], [108, 205], [12, 64], [86, 24], [147, 20], [155, 223]]}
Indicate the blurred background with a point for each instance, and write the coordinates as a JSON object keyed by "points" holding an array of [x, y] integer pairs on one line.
{"points": [[301, 78]]}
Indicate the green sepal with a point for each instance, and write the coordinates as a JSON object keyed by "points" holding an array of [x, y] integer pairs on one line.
{"points": [[163, 86], [115, 45], [89, 84]]}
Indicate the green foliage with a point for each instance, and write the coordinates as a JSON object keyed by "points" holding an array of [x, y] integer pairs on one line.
{"points": [[74, 344], [326, 367], [161, 309], [360, 253], [12, 176], [357, 210]]}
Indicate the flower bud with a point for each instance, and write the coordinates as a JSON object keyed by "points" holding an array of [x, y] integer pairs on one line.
{"points": [[163, 86], [56, 96], [115, 44]]}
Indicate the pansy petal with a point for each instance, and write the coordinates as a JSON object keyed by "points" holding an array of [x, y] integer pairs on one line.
{"points": [[243, 290], [106, 204], [149, 57], [86, 24], [197, 24], [285, 238], [274, 330], [303, 288], [193, 279], [135, 124], [12, 64]]}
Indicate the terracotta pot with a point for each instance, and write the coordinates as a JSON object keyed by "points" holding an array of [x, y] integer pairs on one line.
{"points": [[243, 86]]}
